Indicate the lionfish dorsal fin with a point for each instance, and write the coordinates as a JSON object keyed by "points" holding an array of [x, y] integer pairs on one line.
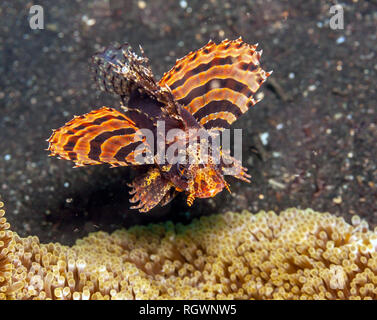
{"points": [[119, 70], [107, 66]]}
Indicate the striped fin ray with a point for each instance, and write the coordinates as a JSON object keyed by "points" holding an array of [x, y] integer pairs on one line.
{"points": [[217, 83], [107, 66], [101, 136], [149, 190], [119, 70]]}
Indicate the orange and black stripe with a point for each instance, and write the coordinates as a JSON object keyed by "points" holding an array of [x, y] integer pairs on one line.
{"points": [[217, 82], [101, 136]]}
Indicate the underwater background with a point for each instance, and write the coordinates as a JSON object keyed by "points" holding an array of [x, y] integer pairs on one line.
{"points": [[310, 143]]}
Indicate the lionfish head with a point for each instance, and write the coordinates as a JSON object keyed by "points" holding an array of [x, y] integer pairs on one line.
{"points": [[201, 181]]}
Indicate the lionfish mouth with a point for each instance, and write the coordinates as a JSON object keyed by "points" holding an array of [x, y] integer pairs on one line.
{"points": [[208, 183]]}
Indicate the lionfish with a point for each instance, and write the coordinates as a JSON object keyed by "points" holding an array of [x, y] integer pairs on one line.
{"points": [[208, 89]]}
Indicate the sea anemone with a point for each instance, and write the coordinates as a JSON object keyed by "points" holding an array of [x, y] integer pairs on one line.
{"points": [[298, 254]]}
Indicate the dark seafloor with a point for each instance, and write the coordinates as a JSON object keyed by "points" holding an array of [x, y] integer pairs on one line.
{"points": [[311, 142]]}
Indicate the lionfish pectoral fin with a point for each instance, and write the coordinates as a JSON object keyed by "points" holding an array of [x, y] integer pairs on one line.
{"points": [[169, 196], [149, 190], [242, 175], [101, 136], [227, 187], [238, 172], [233, 167], [217, 83], [190, 199], [191, 195]]}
